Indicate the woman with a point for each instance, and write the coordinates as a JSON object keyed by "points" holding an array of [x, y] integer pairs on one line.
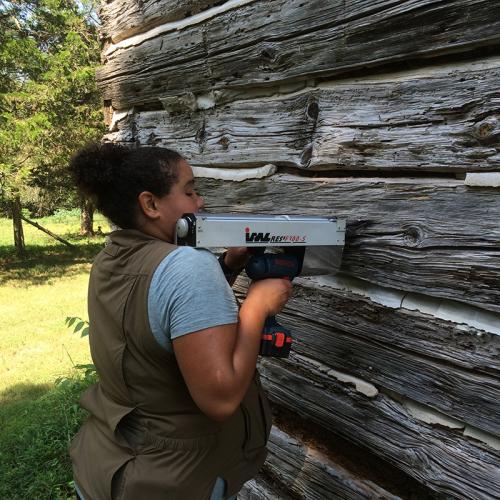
{"points": [[178, 412]]}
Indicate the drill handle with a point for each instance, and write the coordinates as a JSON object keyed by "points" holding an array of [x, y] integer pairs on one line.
{"points": [[276, 339]]}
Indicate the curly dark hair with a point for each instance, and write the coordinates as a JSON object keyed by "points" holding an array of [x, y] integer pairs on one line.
{"points": [[113, 176]]}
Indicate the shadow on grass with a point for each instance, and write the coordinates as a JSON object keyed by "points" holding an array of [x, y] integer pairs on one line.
{"points": [[22, 393], [42, 263]]}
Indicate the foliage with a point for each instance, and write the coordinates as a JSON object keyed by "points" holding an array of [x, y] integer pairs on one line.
{"points": [[62, 215], [49, 103], [79, 323], [34, 440], [81, 326]]}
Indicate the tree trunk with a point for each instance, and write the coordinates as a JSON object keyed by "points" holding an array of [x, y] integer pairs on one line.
{"points": [[87, 218], [18, 226]]}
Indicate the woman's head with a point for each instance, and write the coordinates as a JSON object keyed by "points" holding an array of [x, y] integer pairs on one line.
{"points": [[115, 176]]}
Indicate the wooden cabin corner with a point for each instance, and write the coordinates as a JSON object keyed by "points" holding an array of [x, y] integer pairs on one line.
{"points": [[386, 113]]}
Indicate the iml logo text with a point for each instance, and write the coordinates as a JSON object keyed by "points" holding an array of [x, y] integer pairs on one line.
{"points": [[253, 237]]}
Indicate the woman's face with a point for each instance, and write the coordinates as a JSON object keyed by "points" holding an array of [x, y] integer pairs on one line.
{"points": [[182, 199]]}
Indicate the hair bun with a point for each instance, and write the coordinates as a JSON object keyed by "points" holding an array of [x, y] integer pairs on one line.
{"points": [[95, 167]]}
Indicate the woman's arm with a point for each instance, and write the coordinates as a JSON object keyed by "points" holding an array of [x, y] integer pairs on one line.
{"points": [[218, 363], [233, 261]]}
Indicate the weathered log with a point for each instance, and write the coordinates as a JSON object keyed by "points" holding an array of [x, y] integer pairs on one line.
{"points": [[306, 472], [124, 18], [442, 459], [436, 237], [437, 363], [260, 489], [284, 40], [440, 120]]}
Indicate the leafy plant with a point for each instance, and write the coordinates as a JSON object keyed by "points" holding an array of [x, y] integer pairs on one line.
{"points": [[81, 325]]}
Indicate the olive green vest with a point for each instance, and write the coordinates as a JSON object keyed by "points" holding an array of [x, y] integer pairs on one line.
{"points": [[144, 428]]}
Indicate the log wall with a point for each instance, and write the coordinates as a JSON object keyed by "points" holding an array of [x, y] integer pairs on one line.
{"points": [[385, 113]]}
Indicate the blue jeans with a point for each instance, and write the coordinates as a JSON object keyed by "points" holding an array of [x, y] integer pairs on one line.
{"points": [[219, 491]]}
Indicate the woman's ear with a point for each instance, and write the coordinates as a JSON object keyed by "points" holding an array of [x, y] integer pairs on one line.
{"points": [[148, 205]]}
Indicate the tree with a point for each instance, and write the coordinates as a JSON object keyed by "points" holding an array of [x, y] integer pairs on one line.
{"points": [[49, 103]]}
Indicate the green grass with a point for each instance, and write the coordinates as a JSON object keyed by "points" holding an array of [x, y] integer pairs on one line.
{"points": [[35, 434], [38, 416]]}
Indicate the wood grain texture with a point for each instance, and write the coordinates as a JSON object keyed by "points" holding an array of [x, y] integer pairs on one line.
{"points": [[444, 119], [306, 472], [260, 488], [438, 363], [443, 460], [284, 40], [439, 238], [124, 18]]}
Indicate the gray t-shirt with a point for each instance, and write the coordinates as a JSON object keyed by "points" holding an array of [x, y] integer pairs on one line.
{"points": [[189, 292]]}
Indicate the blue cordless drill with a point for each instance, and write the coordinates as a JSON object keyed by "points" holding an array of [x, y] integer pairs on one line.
{"points": [[276, 339]]}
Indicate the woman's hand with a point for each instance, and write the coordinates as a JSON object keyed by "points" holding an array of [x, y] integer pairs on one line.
{"points": [[270, 294]]}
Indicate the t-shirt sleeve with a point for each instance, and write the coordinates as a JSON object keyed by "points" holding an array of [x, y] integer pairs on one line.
{"points": [[188, 293]]}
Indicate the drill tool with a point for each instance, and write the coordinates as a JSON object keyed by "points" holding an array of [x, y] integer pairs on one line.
{"points": [[306, 246]]}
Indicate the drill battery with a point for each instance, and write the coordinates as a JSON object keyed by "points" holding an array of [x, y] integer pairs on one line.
{"points": [[276, 340]]}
